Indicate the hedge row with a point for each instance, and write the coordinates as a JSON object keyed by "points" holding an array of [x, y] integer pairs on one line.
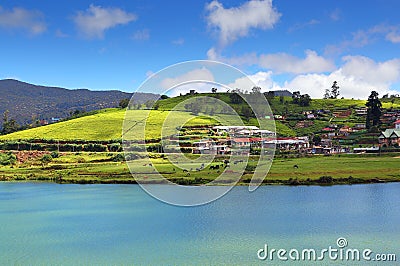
{"points": [[91, 147]]}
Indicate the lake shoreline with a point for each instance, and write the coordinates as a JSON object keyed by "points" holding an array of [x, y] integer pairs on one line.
{"points": [[270, 182]]}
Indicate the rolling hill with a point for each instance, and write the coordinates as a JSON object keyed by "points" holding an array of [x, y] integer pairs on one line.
{"points": [[27, 102], [107, 124]]}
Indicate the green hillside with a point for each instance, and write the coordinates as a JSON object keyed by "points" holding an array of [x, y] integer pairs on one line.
{"points": [[103, 125], [107, 124], [279, 107]]}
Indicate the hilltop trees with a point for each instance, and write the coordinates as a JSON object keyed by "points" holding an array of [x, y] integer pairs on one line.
{"points": [[301, 100], [327, 94], [335, 90], [235, 97], [305, 100], [374, 111]]}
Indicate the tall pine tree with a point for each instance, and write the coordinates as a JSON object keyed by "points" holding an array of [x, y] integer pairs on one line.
{"points": [[374, 111]]}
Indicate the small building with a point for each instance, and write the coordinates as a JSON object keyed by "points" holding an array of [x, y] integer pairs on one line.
{"points": [[328, 129], [209, 147], [360, 126], [397, 124], [279, 117], [366, 150], [321, 150], [234, 129], [345, 131], [361, 111], [391, 136], [287, 144]]}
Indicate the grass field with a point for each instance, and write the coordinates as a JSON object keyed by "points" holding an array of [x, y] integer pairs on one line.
{"points": [[101, 168]]}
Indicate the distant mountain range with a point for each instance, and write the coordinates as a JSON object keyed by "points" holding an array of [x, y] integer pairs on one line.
{"points": [[27, 102]]}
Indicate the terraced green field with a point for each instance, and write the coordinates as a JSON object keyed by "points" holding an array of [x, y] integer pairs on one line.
{"points": [[108, 125]]}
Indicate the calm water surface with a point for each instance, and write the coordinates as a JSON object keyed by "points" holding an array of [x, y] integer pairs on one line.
{"points": [[45, 223]]}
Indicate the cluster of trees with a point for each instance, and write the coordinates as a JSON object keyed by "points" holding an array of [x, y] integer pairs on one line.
{"points": [[333, 92], [9, 125], [301, 99], [125, 103], [248, 104]]}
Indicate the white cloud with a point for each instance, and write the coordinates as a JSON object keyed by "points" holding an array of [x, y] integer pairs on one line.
{"points": [[279, 62], [299, 26], [200, 87], [179, 41], [363, 38], [149, 73], [20, 18], [357, 78], [393, 36], [372, 72], [261, 79], [201, 74], [93, 22], [141, 35], [61, 34], [335, 14], [242, 60], [235, 22], [285, 63]]}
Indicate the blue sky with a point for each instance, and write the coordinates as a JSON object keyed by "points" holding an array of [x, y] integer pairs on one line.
{"points": [[280, 44]]}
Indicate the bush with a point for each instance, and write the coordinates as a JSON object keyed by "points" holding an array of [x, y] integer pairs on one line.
{"points": [[132, 156], [118, 158], [47, 158], [55, 154], [186, 150], [7, 158], [94, 147], [114, 147], [325, 180], [250, 168]]}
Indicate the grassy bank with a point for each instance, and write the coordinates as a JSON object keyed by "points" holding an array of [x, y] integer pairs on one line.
{"points": [[97, 167]]}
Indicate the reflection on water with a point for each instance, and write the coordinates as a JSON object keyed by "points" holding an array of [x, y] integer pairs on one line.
{"points": [[44, 223]]}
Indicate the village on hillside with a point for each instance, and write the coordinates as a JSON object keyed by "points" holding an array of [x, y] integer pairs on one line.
{"points": [[224, 140], [346, 132]]}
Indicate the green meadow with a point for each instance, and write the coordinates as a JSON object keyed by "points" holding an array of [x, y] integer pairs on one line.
{"points": [[110, 168]]}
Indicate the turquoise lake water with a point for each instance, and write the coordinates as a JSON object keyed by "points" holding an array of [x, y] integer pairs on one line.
{"points": [[52, 224]]}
